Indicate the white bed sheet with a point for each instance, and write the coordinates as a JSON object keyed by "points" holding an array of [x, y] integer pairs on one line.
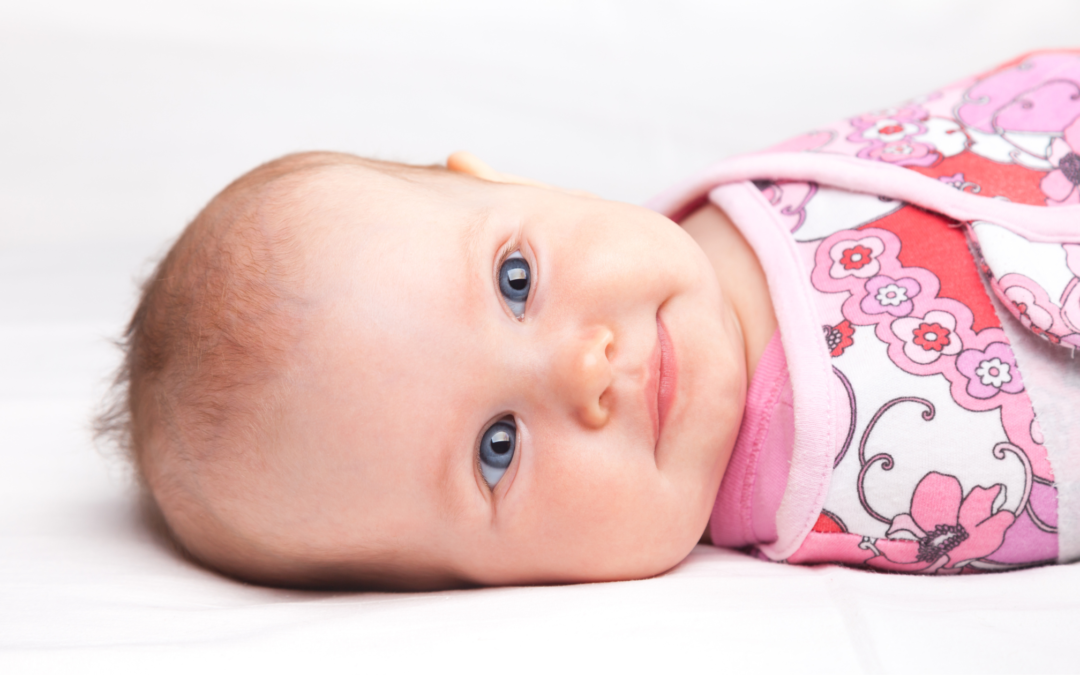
{"points": [[117, 122]]}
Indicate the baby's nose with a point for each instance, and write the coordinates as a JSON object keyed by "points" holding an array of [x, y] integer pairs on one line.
{"points": [[582, 375]]}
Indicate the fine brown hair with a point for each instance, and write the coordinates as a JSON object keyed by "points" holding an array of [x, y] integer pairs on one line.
{"points": [[212, 326]]}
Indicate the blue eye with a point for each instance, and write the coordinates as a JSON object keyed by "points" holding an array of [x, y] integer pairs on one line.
{"points": [[515, 281], [497, 450]]}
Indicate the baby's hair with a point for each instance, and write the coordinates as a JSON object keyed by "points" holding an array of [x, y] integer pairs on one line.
{"points": [[204, 365]]}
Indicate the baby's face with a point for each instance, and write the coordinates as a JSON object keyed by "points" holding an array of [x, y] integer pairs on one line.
{"points": [[504, 384]]}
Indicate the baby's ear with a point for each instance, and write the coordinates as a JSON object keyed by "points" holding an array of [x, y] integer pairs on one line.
{"points": [[466, 162]]}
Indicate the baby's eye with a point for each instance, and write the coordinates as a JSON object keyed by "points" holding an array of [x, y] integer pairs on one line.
{"points": [[515, 280], [497, 449]]}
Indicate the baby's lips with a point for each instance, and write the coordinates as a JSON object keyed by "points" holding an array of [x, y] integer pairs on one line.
{"points": [[668, 375]]}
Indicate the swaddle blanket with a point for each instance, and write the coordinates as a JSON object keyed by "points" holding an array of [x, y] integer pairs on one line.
{"points": [[917, 446]]}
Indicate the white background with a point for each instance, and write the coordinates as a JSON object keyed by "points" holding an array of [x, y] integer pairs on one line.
{"points": [[119, 120]]}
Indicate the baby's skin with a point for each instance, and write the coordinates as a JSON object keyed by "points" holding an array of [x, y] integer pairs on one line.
{"points": [[499, 382]]}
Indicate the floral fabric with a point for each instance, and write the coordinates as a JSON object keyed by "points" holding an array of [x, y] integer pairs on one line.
{"points": [[940, 466], [1010, 134], [942, 469]]}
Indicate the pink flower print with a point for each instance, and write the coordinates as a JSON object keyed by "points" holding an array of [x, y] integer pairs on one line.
{"points": [[932, 336], [885, 294], [944, 530], [1032, 314], [1038, 316], [993, 372], [1031, 96], [838, 337], [929, 338], [1046, 335], [903, 153], [990, 370], [1062, 185], [856, 257], [888, 130]]}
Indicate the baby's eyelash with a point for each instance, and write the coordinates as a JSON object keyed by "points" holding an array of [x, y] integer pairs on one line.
{"points": [[505, 251]]}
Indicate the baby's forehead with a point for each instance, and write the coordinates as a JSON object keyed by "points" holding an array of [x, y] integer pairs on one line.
{"points": [[396, 275], [373, 202], [380, 219]]}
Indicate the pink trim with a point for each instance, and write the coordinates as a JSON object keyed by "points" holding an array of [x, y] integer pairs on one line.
{"points": [[808, 362], [1036, 223], [756, 476]]}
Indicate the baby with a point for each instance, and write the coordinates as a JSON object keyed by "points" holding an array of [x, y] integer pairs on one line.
{"points": [[349, 372]]}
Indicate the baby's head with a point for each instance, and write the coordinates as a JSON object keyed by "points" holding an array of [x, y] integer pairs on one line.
{"points": [[350, 372]]}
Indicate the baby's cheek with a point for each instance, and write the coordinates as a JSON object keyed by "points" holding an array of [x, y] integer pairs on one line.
{"points": [[602, 525]]}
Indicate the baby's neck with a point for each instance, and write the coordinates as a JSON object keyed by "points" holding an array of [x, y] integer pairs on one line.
{"points": [[741, 278]]}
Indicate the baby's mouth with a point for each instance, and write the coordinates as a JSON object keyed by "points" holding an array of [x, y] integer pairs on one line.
{"points": [[668, 373], [660, 386]]}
